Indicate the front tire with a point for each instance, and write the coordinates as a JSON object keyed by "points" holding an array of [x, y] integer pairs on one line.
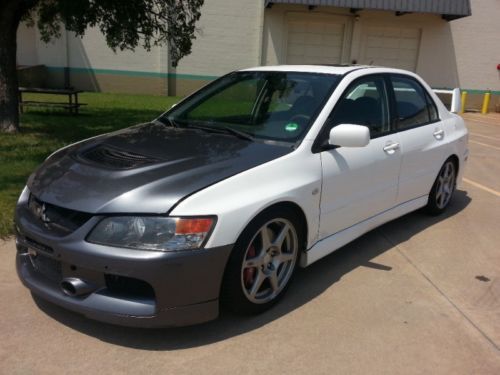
{"points": [[263, 262], [443, 188]]}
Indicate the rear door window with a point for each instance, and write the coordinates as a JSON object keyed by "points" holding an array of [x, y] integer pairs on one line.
{"points": [[413, 105]]}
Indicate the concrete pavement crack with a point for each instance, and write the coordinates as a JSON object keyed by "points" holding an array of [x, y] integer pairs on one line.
{"points": [[434, 285]]}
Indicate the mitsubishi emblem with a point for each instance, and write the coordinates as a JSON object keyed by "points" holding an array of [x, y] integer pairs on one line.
{"points": [[42, 214]]}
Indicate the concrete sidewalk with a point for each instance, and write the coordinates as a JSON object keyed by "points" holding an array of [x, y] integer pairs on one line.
{"points": [[418, 295]]}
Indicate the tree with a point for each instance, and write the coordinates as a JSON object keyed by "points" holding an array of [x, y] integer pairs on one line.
{"points": [[124, 23]]}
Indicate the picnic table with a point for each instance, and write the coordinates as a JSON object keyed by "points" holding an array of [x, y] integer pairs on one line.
{"points": [[72, 105]]}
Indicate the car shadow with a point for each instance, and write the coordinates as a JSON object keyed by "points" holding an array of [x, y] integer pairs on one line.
{"points": [[308, 284]]}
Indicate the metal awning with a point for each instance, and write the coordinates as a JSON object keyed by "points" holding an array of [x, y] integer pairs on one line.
{"points": [[449, 9]]}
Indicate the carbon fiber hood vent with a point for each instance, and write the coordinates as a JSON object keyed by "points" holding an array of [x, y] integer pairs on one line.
{"points": [[114, 158]]}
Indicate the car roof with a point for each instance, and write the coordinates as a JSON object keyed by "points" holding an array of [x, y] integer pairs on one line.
{"points": [[328, 69]]}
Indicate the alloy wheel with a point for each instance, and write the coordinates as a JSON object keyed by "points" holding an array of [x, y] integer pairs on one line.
{"points": [[269, 261], [445, 185]]}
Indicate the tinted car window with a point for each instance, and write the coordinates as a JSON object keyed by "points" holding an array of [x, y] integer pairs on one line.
{"points": [[412, 103], [236, 100], [433, 113], [364, 103], [278, 106]]}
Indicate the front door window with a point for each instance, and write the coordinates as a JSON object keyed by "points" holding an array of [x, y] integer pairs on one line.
{"points": [[365, 102]]}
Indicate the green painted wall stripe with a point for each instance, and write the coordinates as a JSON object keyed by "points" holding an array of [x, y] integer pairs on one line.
{"points": [[472, 91], [133, 73], [482, 92]]}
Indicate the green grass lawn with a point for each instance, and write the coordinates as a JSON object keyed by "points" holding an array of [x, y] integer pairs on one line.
{"points": [[44, 131]]}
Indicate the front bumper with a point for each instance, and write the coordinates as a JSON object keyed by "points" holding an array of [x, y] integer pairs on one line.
{"points": [[130, 287]]}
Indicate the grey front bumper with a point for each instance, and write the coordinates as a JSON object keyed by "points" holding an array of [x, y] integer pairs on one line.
{"points": [[185, 285]]}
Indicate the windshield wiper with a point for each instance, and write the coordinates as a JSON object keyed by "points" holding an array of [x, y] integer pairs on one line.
{"points": [[222, 130], [172, 122], [238, 133], [205, 128]]}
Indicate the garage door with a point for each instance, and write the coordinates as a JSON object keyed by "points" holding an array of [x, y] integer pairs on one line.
{"points": [[315, 42], [391, 46]]}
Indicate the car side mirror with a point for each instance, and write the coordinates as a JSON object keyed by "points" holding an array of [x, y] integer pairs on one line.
{"points": [[349, 135]]}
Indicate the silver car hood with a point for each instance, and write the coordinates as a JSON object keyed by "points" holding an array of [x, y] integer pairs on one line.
{"points": [[168, 164]]}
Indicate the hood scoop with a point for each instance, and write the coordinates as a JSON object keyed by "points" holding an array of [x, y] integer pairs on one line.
{"points": [[115, 158]]}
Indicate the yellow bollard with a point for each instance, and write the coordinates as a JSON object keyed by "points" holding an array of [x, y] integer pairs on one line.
{"points": [[464, 100], [486, 103]]}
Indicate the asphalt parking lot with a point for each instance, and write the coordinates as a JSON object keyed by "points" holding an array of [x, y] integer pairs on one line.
{"points": [[418, 295]]}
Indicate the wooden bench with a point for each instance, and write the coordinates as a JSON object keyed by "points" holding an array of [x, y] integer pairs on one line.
{"points": [[72, 105]]}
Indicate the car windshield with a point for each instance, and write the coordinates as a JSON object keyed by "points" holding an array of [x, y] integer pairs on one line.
{"points": [[278, 106]]}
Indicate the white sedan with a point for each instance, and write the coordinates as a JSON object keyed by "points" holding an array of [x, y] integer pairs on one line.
{"points": [[224, 195]]}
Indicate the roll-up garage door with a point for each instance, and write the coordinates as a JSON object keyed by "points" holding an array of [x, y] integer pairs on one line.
{"points": [[395, 47], [315, 41]]}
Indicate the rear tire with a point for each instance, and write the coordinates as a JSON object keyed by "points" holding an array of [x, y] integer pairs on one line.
{"points": [[443, 188], [263, 261]]}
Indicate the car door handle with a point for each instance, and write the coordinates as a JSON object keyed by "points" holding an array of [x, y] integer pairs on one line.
{"points": [[438, 134], [391, 147]]}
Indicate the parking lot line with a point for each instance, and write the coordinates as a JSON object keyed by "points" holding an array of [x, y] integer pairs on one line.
{"points": [[482, 187], [473, 119], [484, 136], [484, 144]]}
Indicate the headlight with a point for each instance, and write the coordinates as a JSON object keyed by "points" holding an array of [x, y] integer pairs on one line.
{"points": [[152, 232]]}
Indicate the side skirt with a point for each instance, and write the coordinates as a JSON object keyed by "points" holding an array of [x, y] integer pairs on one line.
{"points": [[328, 245]]}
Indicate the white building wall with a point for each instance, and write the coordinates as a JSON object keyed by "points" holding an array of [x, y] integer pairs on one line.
{"points": [[477, 45], [228, 38], [235, 34], [53, 53], [91, 51], [26, 45]]}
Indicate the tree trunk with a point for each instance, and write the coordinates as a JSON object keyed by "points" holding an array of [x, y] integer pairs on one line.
{"points": [[10, 16]]}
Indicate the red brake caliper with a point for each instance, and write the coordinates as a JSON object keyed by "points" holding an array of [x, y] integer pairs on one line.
{"points": [[249, 273]]}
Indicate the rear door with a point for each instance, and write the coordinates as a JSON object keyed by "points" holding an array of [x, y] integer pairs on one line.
{"points": [[421, 134]]}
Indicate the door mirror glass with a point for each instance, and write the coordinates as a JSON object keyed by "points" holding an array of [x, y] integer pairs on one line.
{"points": [[349, 135]]}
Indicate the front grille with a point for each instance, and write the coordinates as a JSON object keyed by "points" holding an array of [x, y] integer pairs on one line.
{"points": [[48, 267], [55, 217], [115, 158], [37, 245]]}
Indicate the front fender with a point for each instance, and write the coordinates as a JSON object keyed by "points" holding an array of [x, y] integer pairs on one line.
{"points": [[295, 178]]}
